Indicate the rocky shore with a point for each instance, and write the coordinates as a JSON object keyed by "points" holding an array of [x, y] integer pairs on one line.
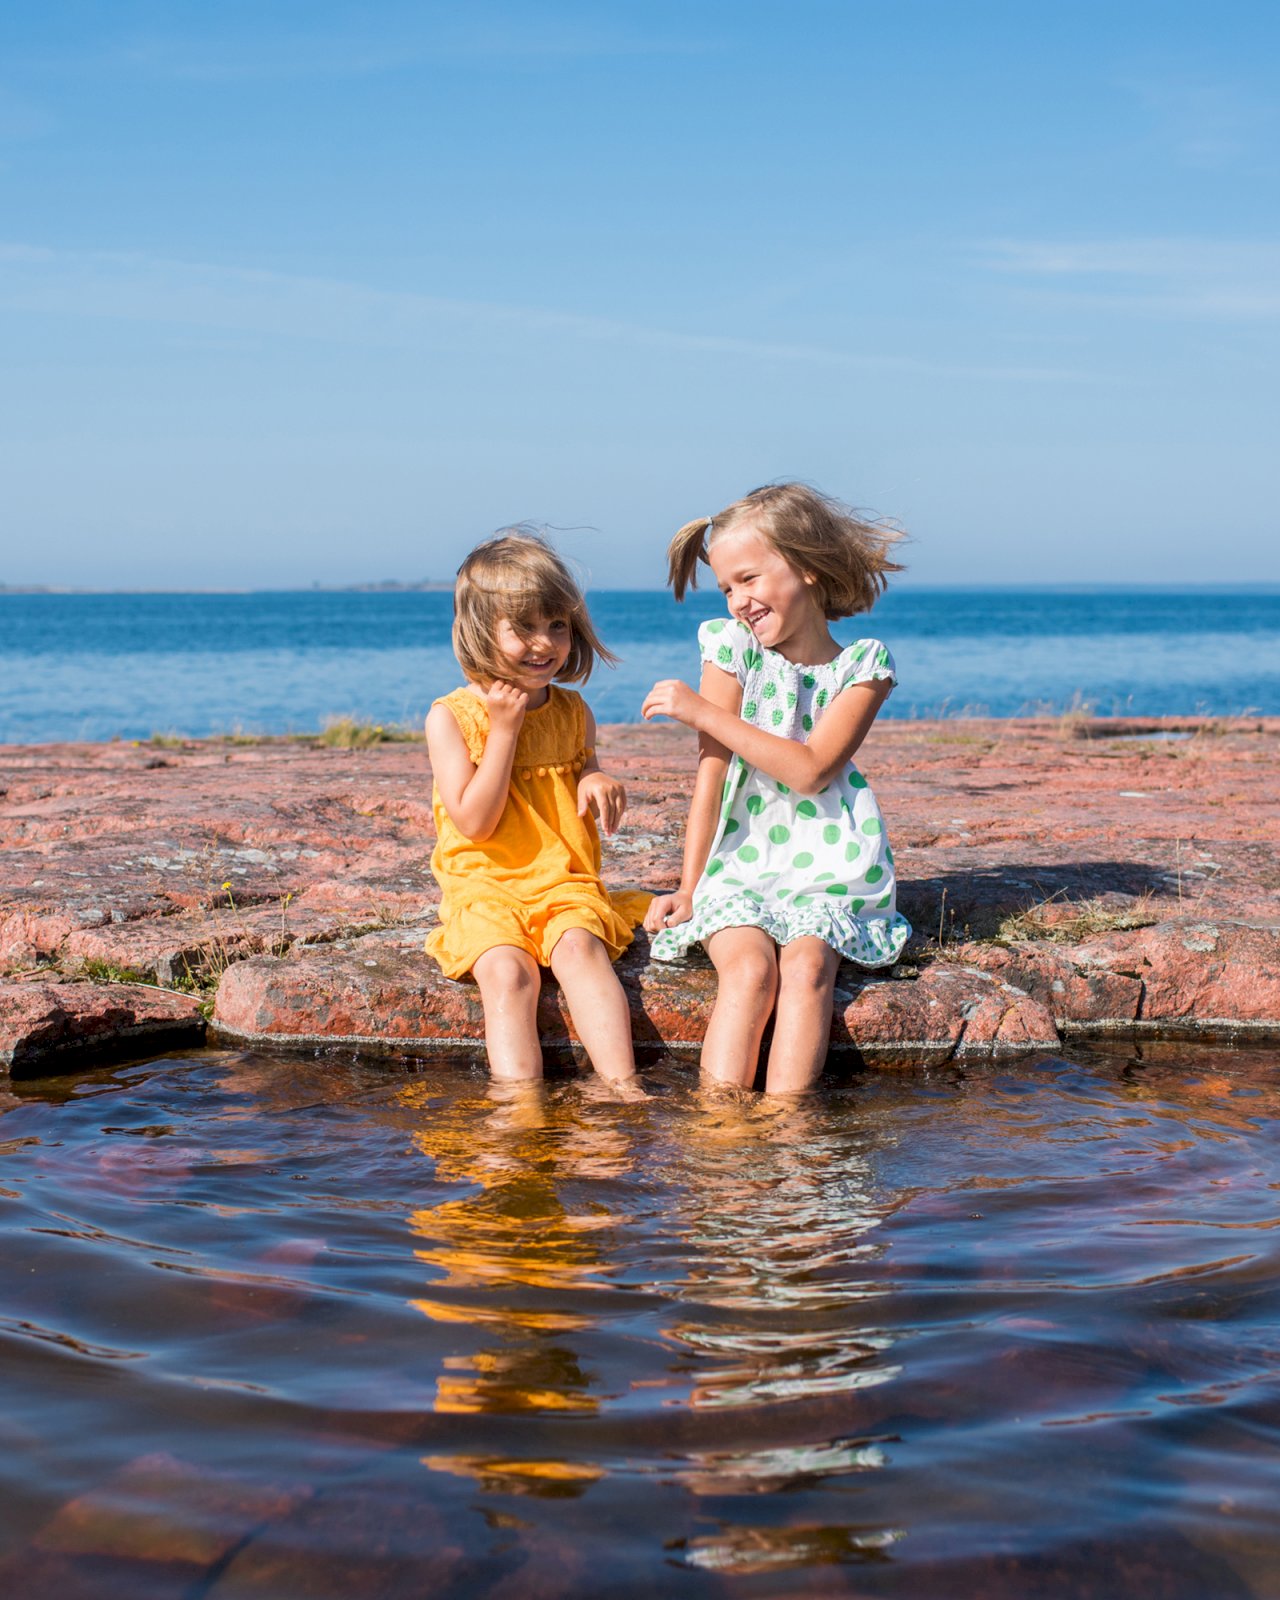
{"points": [[1065, 878]]}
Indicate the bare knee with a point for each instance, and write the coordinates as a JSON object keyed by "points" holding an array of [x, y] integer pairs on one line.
{"points": [[808, 971], [507, 974], [578, 946], [750, 977]]}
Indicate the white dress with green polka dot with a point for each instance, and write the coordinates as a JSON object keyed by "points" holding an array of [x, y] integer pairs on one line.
{"points": [[793, 864]]}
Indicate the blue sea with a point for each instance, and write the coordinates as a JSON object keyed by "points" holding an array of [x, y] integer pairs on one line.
{"points": [[102, 666]]}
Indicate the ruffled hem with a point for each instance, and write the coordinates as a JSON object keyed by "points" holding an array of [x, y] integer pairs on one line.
{"points": [[870, 942]]}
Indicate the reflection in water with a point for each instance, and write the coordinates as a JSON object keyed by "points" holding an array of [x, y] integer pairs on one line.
{"points": [[310, 1327], [511, 1256]]}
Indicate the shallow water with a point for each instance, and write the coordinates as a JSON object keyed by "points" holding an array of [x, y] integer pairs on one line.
{"points": [[281, 1328]]}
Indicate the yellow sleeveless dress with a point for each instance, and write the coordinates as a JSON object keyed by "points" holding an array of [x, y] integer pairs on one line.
{"points": [[538, 873]]}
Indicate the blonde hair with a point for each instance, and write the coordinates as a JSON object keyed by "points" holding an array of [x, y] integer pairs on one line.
{"points": [[517, 577], [846, 556]]}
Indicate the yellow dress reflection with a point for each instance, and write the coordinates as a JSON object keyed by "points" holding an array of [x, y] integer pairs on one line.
{"points": [[515, 1262]]}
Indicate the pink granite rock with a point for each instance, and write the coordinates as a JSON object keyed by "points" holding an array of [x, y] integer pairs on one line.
{"points": [[119, 857], [1196, 970], [382, 993], [44, 1023], [1071, 992]]}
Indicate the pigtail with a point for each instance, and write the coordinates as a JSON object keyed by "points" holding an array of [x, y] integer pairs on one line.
{"points": [[685, 551]]}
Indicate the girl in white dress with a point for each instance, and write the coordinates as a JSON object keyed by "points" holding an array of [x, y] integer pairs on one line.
{"points": [[787, 867]]}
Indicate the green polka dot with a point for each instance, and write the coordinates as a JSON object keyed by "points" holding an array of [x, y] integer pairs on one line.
{"points": [[791, 698], [806, 722], [779, 834], [888, 855], [806, 808], [822, 699], [736, 882], [837, 888], [751, 894], [802, 900], [831, 833], [752, 659], [749, 710], [882, 657], [852, 850], [856, 780], [777, 717], [770, 690], [713, 866], [783, 789], [724, 655], [823, 876], [872, 826], [883, 905], [874, 874], [804, 859], [717, 626], [742, 776], [856, 905], [748, 853], [808, 680], [732, 825], [755, 804]]}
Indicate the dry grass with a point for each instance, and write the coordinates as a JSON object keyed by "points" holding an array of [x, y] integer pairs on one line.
{"points": [[1062, 922]]}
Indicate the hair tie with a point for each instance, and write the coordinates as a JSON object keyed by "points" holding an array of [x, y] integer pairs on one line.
{"points": [[706, 532]]}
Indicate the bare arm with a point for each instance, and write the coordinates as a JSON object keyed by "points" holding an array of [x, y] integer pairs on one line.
{"points": [[597, 791], [475, 795], [722, 690], [807, 768]]}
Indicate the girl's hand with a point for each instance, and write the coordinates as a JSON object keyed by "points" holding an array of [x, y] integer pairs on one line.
{"points": [[668, 911], [507, 706], [604, 795], [671, 698]]}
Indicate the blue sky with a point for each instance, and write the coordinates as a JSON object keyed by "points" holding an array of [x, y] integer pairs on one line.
{"points": [[297, 292]]}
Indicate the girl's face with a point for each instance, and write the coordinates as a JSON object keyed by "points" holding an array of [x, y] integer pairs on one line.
{"points": [[765, 591], [535, 656]]}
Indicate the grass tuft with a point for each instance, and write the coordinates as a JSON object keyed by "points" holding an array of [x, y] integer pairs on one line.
{"points": [[345, 733], [1061, 922]]}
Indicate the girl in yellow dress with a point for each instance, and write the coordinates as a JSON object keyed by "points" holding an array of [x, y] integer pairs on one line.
{"points": [[516, 792]]}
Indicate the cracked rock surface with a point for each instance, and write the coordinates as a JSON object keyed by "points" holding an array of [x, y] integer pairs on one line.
{"points": [[1063, 877]]}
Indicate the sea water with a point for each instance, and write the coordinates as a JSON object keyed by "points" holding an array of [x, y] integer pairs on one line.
{"points": [[101, 666]]}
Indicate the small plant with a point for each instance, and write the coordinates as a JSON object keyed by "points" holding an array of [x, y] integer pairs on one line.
{"points": [[109, 972], [1061, 922], [345, 733]]}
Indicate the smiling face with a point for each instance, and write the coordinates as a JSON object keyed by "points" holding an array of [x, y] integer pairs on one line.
{"points": [[536, 654], [763, 589]]}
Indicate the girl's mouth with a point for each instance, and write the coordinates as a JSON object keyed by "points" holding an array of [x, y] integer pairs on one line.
{"points": [[755, 616]]}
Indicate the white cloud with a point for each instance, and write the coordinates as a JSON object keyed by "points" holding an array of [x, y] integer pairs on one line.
{"points": [[149, 289], [1169, 276]]}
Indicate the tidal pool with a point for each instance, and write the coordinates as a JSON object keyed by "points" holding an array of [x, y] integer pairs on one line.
{"points": [[282, 1328]]}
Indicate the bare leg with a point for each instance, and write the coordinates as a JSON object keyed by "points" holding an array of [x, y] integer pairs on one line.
{"points": [[746, 963], [802, 1027], [509, 984], [596, 1002]]}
